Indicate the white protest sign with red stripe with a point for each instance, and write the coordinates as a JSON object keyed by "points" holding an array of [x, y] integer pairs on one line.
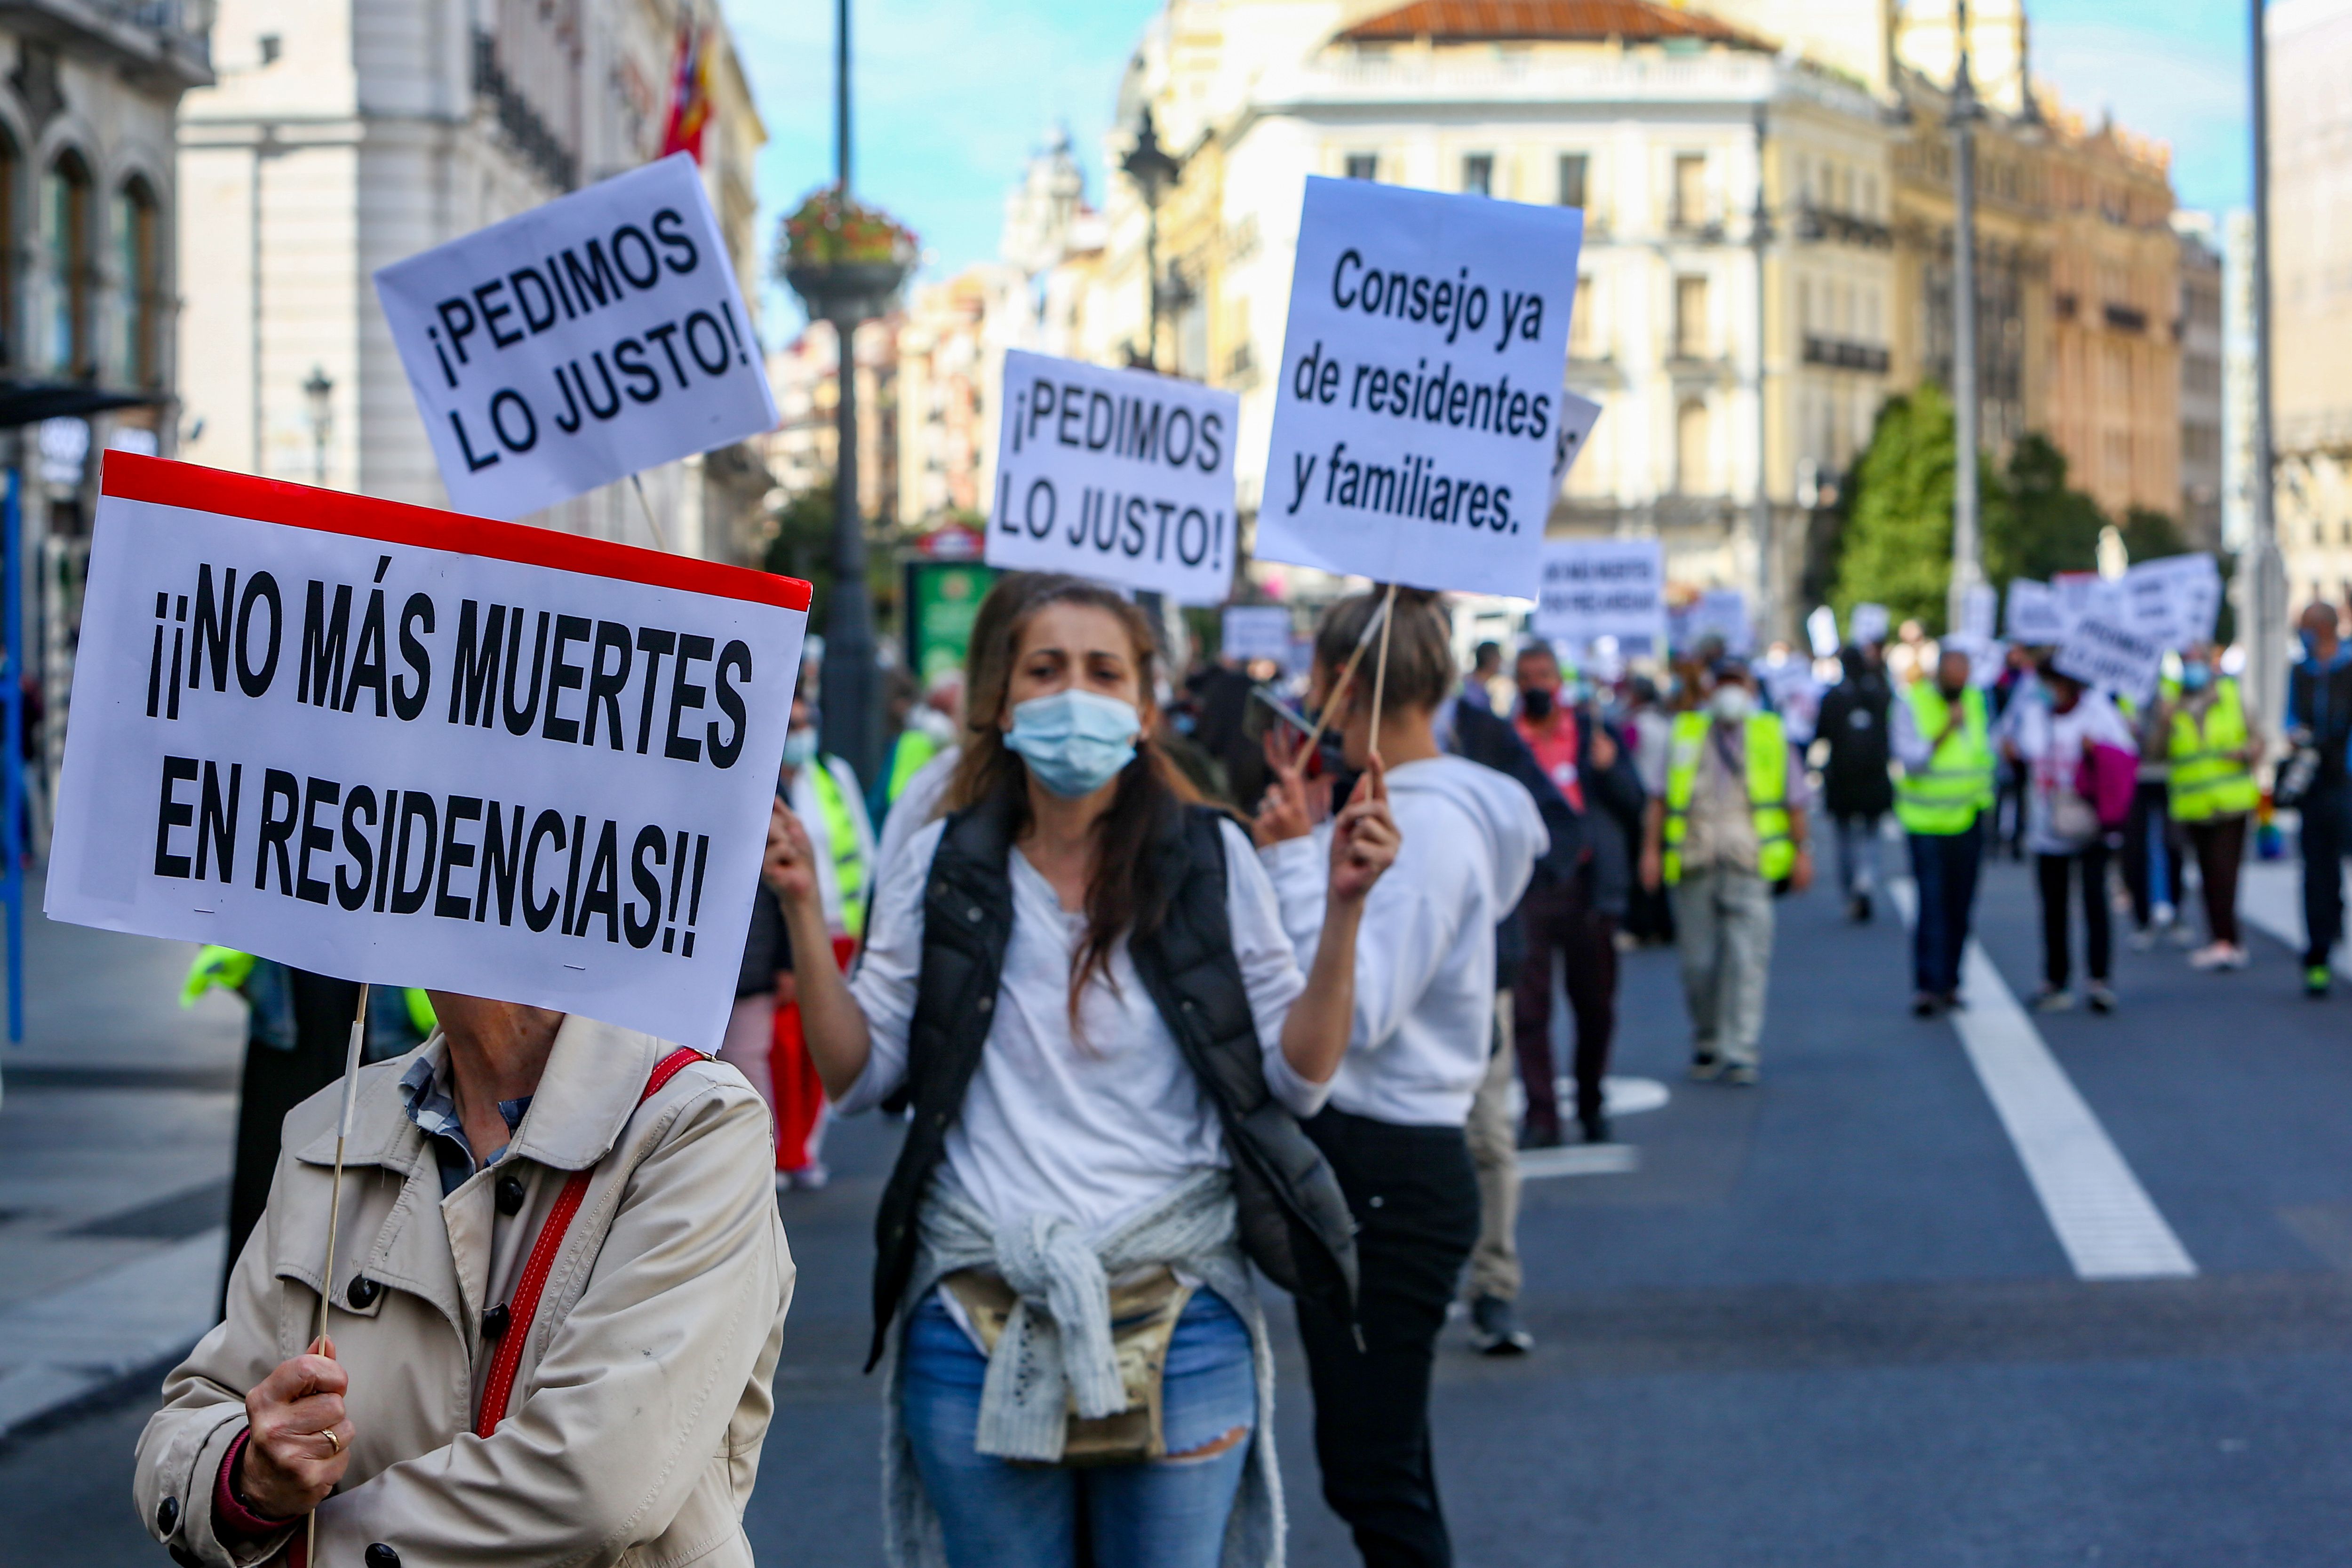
{"points": [[412, 747]]}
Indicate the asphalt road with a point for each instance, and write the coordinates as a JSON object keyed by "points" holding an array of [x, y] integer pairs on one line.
{"points": [[1827, 1320]]}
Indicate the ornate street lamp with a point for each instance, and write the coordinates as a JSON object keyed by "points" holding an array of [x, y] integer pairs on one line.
{"points": [[846, 262], [319, 394], [1154, 171]]}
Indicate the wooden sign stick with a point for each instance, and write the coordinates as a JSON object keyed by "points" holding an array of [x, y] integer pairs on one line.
{"points": [[335, 1213]]}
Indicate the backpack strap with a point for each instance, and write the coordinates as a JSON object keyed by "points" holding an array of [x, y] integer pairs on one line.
{"points": [[499, 1387]]}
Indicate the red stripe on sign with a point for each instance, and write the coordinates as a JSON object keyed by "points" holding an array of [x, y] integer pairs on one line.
{"points": [[135, 477]]}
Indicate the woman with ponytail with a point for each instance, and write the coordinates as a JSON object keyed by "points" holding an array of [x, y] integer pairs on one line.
{"points": [[1080, 986], [1417, 1047]]}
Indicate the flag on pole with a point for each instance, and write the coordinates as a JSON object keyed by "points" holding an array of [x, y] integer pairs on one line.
{"points": [[689, 92]]}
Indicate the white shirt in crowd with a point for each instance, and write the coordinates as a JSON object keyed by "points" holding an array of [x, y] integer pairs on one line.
{"points": [[1425, 954], [2051, 745], [1089, 1129], [918, 802]]}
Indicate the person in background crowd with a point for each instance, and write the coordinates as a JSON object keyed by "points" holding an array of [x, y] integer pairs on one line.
{"points": [[822, 790], [2213, 748], [1648, 727], [1081, 984], [1730, 825], [616, 1419], [1943, 740], [2008, 826], [928, 728], [1495, 1275], [1570, 922], [920, 800], [2319, 721], [2052, 730], [1221, 702], [2152, 842], [1855, 784], [1486, 670], [1421, 1043]]}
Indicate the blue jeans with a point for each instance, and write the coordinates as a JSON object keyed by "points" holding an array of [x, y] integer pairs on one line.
{"points": [[1944, 866], [1164, 1514]]}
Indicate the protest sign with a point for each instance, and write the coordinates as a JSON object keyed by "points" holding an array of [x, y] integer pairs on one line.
{"points": [[1720, 613], [2034, 617], [2174, 597], [2102, 649], [578, 343], [1417, 414], [1592, 588], [1255, 632], [1868, 623], [412, 747], [1977, 607], [1117, 475], [1821, 631], [1577, 415], [2073, 591]]}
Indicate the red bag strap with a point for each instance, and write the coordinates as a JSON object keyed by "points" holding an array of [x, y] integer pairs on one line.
{"points": [[499, 1387]]}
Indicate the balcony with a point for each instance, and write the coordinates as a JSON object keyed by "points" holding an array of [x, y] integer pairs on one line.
{"points": [[533, 137], [164, 43], [2125, 319], [1821, 223], [1837, 354]]}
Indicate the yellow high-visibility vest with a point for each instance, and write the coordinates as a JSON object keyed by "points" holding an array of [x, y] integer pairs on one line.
{"points": [[848, 854], [1768, 791], [2210, 775], [1944, 797]]}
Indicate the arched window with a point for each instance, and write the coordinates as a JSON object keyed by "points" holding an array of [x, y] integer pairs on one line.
{"points": [[65, 248], [132, 359], [1692, 465]]}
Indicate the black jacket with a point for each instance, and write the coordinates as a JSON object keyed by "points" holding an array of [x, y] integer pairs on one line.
{"points": [[1614, 802], [1293, 1222], [1853, 720], [1492, 741], [2319, 699]]}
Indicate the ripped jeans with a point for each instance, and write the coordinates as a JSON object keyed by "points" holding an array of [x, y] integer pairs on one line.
{"points": [[1166, 1513]]}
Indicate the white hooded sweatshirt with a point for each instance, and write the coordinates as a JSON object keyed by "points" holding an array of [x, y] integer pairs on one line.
{"points": [[1425, 954]]}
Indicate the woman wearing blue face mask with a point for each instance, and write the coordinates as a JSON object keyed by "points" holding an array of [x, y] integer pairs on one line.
{"points": [[1080, 986], [2212, 746]]}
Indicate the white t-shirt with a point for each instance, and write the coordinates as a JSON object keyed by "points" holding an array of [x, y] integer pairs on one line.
{"points": [[1091, 1131], [2051, 745]]}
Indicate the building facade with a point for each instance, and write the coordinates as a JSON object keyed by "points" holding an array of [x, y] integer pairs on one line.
{"points": [[344, 135], [2204, 351], [90, 287]]}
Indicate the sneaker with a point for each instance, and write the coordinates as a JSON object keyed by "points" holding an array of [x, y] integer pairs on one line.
{"points": [[2143, 938], [2100, 998], [1495, 1328], [1953, 1003], [2162, 915], [1923, 1004], [2184, 935], [2218, 955], [1743, 1073], [1539, 1135], [1705, 1067], [2315, 978], [2052, 999], [810, 1178], [1596, 1127], [1859, 910], [2239, 958]]}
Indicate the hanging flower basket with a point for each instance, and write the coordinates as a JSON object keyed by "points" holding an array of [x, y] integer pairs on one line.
{"points": [[845, 259]]}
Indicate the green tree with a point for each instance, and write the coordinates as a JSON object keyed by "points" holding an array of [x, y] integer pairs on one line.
{"points": [[1896, 547], [2150, 535], [2041, 524]]}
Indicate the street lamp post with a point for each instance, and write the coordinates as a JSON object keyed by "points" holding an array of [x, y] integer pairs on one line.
{"points": [[1153, 171], [318, 394], [2264, 598], [1759, 236], [1967, 545]]}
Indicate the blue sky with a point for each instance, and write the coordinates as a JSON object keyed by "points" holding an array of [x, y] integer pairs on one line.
{"points": [[952, 95]]}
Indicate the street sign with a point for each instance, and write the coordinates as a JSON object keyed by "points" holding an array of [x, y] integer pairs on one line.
{"points": [[941, 598], [410, 747]]}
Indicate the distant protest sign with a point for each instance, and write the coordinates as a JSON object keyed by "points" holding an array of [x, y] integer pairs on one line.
{"points": [[1592, 588], [1417, 414], [2102, 649], [1977, 607], [1720, 613], [578, 343], [1255, 632], [2033, 618], [2174, 597], [412, 747], [1117, 475], [1869, 622]]}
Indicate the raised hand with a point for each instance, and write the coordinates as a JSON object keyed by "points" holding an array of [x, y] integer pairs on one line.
{"points": [[1365, 841], [301, 1441], [790, 866], [1288, 811]]}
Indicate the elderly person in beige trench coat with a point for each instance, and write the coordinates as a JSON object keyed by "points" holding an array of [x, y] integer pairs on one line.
{"points": [[639, 1398]]}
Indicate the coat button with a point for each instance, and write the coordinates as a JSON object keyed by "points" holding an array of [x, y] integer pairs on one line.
{"points": [[973, 914], [987, 1004], [363, 1293], [495, 1320], [167, 1516], [379, 1555], [509, 1192]]}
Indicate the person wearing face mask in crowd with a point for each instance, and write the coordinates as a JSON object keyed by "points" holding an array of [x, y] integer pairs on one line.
{"points": [[2053, 729], [2212, 747], [765, 1032], [1731, 826], [2319, 723], [1648, 726], [1856, 785], [1942, 738], [1080, 985]]}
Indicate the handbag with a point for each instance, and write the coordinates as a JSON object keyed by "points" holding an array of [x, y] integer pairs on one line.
{"points": [[1143, 1313], [2295, 777]]}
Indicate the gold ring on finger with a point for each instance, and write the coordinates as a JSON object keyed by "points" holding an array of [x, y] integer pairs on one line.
{"points": [[334, 1442]]}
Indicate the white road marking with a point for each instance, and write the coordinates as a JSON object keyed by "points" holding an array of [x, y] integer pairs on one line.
{"points": [[2270, 898], [2109, 1226], [1579, 1159]]}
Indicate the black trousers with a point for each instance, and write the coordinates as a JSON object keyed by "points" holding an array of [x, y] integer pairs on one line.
{"points": [[1415, 1201], [1562, 928], [2090, 863], [2323, 845], [2150, 827]]}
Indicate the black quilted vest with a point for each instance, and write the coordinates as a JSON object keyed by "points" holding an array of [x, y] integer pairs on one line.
{"points": [[1294, 1223]]}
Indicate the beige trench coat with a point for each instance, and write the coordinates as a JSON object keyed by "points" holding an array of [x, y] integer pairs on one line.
{"points": [[634, 1433]]}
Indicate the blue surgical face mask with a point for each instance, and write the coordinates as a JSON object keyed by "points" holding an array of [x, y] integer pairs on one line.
{"points": [[800, 746], [1075, 742], [2195, 677]]}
